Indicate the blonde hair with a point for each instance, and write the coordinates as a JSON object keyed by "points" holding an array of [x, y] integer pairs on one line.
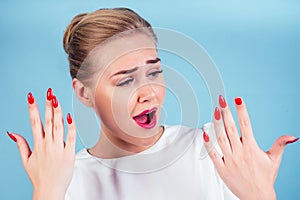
{"points": [[88, 30]]}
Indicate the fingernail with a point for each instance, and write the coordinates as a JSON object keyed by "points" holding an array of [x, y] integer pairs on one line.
{"points": [[292, 141], [238, 101], [222, 101], [30, 98], [69, 118], [49, 94], [217, 113], [205, 137], [11, 136], [54, 102]]}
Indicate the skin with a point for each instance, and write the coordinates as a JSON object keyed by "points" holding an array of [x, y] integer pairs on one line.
{"points": [[49, 152], [248, 171], [116, 105]]}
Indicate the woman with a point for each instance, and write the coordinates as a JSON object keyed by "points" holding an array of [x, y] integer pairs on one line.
{"points": [[116, 71]]}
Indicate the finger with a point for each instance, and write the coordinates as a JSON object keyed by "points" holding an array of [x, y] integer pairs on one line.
{"points": [[230, 126], [23, 147], [221, 134], [244, 122], [58, 126], [276, 151], [49, 116], [213, 154], [71, 137], [35, 120]]}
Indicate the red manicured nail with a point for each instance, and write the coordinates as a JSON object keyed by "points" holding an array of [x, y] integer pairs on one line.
{"points": [[30, 98], [238, 101], [222, 101], [11, 136], [49, 94], [217, 113], [205, 137], [292, 141], [54, 102], [69, 118]]}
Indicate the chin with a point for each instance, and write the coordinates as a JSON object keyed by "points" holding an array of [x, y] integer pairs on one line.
{"points": [[148, 137]]}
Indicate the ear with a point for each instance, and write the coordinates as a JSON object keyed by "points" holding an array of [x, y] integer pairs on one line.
{"points": [[82, 92]]}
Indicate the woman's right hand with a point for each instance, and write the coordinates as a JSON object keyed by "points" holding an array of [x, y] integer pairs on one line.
{"points": [[51, 163]]}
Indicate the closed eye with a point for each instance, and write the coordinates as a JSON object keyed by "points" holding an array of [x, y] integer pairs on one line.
{"points": [[155, 73], [125, 83]]}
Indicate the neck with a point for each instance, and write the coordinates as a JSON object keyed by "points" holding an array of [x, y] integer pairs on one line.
{"points": [[109, 146]]}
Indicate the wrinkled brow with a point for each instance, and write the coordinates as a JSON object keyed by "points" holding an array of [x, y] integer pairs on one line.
{"points": [[152, 61]]}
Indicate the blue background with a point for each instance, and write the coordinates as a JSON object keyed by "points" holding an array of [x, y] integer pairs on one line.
{"points": [[256, 46]]}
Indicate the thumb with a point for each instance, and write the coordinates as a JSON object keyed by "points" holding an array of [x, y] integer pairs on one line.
{"points": [[277, 149], [23, 146]]}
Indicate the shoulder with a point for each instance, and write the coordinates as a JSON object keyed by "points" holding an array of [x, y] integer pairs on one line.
{"points": [[179, 131], [85, 162], [173, 135], [83, 156], [185, 129]]}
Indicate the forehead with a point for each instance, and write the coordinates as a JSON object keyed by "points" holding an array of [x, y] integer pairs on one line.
{"points": [[133, 59], [126, 52]]}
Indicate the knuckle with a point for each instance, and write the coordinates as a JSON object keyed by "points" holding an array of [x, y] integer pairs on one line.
{"points": [[244, 122], [48, 122], [71, 128], [222, 139], [48, 150], [57, 127], [214, 155], [218, 128], [231, 128], [71, 138], [57, 111], [226, 112], [249, 151], [34, 121], [40, 150], [238, 156]]}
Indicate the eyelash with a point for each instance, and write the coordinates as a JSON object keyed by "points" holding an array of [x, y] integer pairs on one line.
{"points": [[155, 73], [152, 74], [124, 83]]}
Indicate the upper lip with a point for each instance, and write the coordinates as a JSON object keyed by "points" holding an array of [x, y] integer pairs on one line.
{"points": [[146, 112]]}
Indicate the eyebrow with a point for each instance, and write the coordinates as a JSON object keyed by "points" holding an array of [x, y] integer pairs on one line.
{"points": [[151, 61]]}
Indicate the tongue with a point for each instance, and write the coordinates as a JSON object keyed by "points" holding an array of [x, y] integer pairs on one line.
{"points": [[141, 119]]}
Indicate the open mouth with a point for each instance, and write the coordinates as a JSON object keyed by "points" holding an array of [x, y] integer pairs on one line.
{"points": [[146, 119]]}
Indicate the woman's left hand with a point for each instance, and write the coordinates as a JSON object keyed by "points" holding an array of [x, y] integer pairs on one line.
{"points": [[248, 171]]}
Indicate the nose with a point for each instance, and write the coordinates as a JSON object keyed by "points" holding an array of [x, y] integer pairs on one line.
{"points": [[146, 93]]}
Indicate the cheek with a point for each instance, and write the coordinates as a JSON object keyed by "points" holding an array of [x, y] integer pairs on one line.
{"points": [[111, 108], [161, 91], [102, 103], [121, 102], [132, 101]]}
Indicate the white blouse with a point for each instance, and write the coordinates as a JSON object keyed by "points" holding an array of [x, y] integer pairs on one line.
{"points": [[177, 167]]}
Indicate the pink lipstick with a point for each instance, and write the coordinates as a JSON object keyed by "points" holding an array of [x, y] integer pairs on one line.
{"points": [[146, 119]]}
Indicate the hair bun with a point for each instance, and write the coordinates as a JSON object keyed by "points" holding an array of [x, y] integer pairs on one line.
{"points": [[71, 29], [88, 30]]}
